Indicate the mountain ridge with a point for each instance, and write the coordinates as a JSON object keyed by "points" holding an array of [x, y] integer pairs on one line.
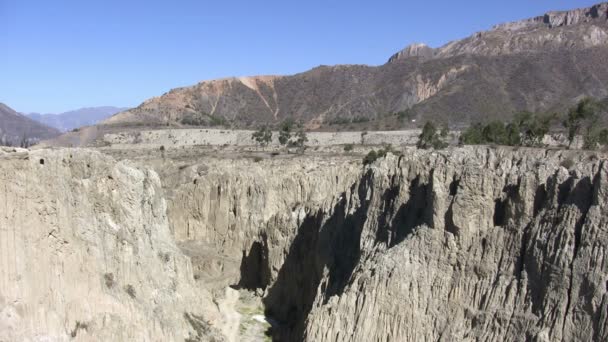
{"points": [[542, 63], [15, 128], [77, 118]]}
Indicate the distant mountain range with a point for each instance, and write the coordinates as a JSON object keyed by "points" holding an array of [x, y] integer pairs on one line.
{"points": [[539, 64], [15, 127], [76, 118]]}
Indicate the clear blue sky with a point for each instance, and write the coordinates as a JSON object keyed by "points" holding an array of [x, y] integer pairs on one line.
{"points": [[65, 54]]}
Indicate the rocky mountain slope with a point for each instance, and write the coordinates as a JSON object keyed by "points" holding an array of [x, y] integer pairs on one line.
{"points": [[472, 243], [76, 118], [14, 127], [543, 63]]}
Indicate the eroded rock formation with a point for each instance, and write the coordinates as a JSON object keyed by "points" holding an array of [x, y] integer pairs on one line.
{"points": [[86, 253], [471, 243]]}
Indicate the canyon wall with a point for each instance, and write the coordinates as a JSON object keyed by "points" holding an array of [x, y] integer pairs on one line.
{"points": [[469, 244], [86, 253]]}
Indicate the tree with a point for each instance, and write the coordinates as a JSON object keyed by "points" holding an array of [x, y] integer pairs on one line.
{"points": [[431, 137], [300, 139], [370, 157], [473, 135], [532, 128], [285, 132], [591, 139], [263, 136], [495, 132], [595, 136], [25, 142], [603, 137], [513, 134], [583, 115]]}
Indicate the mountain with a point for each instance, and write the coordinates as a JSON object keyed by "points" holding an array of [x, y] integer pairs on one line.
{"points": [[76, 118], [538, 64], [14, 127]]}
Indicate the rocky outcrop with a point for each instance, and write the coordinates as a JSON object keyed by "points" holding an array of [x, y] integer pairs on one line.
{"points": [[576, 29], [471, 244], [420, 50], [483, 246], [86, 253], [594, 14]]}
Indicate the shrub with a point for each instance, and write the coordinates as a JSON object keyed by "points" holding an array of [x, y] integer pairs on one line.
{"points": [[370, 157], [348, 147], [532, 127], [603, 137], [360, 119], [473, 135], [109, 280], [431, 137], [594, 137], [201, 119], [130, 290], [285, 132], [527, 128], [257, 159], [263, 136], [339, 121], [583, 115], [373, 155], [79, 326]]}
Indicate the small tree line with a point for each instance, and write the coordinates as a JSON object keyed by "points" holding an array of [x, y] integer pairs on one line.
{"points": [[528, 129], [24, 142], [290, 135]]}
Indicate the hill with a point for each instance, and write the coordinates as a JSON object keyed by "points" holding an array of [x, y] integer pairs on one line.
{"points": [[15, 127], [538, 64]]}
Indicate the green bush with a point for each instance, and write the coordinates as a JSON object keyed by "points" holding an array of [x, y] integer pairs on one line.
{"points": [[603, 137], [370, 157], [583, 115], [348, 147], [526, 129], [263, 136], [431, 137], [203, 119], [473, 135], [373, 155]]}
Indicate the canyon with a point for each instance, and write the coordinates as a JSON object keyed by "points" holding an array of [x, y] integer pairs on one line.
{"points": [[471, 243], [166, 222]]}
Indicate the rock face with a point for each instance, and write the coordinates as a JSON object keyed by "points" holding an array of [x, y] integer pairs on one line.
{"points": [[420, 50], [540, 64], [86, 253], [472, 244]]}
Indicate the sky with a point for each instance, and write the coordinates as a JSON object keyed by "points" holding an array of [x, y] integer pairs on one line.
{"points": [[62, 55]]}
